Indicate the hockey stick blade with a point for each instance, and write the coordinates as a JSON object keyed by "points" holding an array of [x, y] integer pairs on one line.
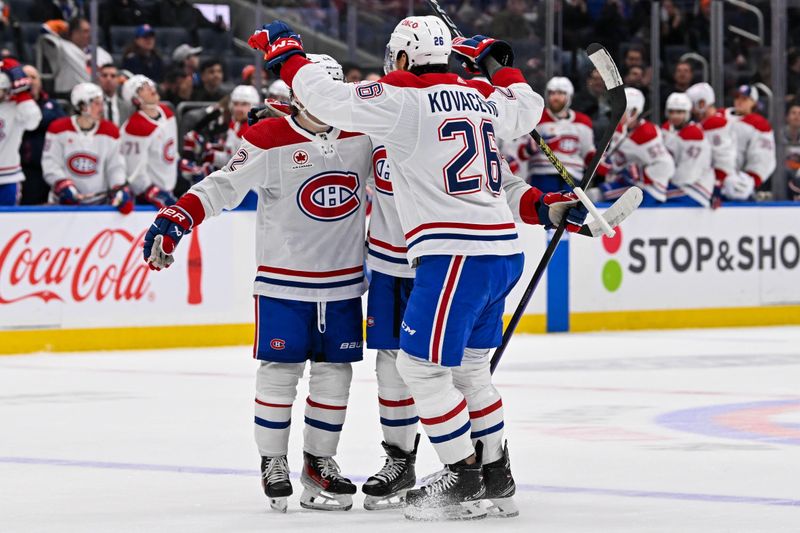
{"points": [[616, 214]]}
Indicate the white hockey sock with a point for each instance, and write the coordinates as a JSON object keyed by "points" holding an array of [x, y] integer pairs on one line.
{"points": [[276, 389], [395, 403], [474, 379], [326, 407], [442, 408]]}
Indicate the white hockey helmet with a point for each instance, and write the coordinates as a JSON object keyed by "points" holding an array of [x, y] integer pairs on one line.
{"points": [[679, 102], [701, 92], [245, 93], [635, 102], [280, 91], [5, 86], [329, 64], [560, 84], [82, 94], [425, 41], [130, 89]]}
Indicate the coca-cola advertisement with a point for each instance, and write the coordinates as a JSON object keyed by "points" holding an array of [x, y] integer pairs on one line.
{"points": [[76, 269]]}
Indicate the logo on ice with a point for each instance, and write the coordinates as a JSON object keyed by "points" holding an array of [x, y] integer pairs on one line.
{"points": [[107, 267]]}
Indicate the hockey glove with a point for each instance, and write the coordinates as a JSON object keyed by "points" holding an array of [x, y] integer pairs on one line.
{"points": [[20, 82], [554, 206], [158, 197], [477, 50], [67, 193], [121, 198], [194, 145], [279, 42], [160, 241], [738, 186]]}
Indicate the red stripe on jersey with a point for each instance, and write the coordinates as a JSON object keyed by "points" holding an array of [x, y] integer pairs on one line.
{"points": [[312, 403], [140, 125], [443, 308], [60, 125], [277, 405], [459, 225], [395, 403], [486, 410], [691, 132], [646, 132], [308, 274], [714, 122], [255, 341], [403, 78], [444, 418], [758, 122], [387, 246]]}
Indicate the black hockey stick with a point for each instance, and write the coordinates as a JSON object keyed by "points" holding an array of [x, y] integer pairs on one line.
{"points": [[602, 61], [543, 146]]}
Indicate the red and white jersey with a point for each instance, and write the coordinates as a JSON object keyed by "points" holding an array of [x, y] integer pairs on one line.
{"points": [[311, 200], [91, 159], [694, 175], [440, 134], [755, 141], [722, 137], [644, 148], [16, 117], [149, 149], [386, 243], [233, 137], [572, 140]]}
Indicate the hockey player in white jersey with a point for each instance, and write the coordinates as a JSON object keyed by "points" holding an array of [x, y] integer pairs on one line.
{"points": [[693, 182], [720, 134], [637, 157], [755, 146], [18, 114], [149, 139], [81, 160], [439, 132], [568, 133], [310, 180], [242, 99]]}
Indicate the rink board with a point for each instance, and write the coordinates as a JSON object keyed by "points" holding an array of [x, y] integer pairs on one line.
{"points": [[74, 279]]}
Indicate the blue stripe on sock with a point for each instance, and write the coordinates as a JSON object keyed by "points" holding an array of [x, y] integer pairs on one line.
{"points": [[323, 425], [272, 425], [487, 431], [450, 436], [399, 422]]}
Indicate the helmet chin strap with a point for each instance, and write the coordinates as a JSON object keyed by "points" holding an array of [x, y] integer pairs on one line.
{"points": [[306, 115]]}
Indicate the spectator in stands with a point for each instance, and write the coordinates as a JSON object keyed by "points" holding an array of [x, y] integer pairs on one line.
{"points": [[576, 18], [5, 12], [673, 24], [141, 56], [793, 79], [682, 79], [700, 26], [511, 22], [211, 78], [634, 57], [188, 58], [75, 56], [792, 136], [113, 108], [248, 73], [610, 27], [120, 13], [182, 13], [592, 100], [57, 9], [34, 188], [177, 86]]}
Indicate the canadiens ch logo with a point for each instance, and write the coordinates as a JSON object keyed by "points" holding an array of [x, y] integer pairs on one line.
{"points": [[277, 344], [82, 164], [370, 321], [380, 169], [329, 196], [300, 158], [566, 144], [169, 151]]}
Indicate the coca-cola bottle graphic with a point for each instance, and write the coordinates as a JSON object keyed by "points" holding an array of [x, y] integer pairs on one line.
{"points": [[195, 270]]}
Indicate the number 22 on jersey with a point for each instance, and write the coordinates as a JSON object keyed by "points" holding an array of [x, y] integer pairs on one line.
{"points": [[464, 173]]}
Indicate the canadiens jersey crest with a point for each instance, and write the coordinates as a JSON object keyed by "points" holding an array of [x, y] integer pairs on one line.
{"points": [[329, 196]]}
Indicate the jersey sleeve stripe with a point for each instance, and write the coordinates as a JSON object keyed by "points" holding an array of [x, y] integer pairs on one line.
{"points": [[462, 237], [397, 260], [460, 225], [309, 285], [309, 274], [387, 246]]}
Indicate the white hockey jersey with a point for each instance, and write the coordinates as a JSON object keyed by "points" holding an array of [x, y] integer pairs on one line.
{"points": [[233, 137], [720, 134], [571, 138], [439, 131], [694, 175], [755, 142], [644, 148], [91, 159], [310, 219], [16, 117], [149, 149]]}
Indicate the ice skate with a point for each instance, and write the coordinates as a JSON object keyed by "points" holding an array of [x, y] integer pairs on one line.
{"points": [[387, 489], [453, 493], [325, 489], [275, 481], [500, 487]]}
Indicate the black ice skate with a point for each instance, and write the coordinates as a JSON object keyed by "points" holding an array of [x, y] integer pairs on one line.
{"points": [[325, 487], [454, 493], [500, 487], [275, 480], [387, 489]]}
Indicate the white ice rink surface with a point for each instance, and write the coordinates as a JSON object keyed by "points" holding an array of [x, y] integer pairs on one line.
{"points": [[680, 431]]}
